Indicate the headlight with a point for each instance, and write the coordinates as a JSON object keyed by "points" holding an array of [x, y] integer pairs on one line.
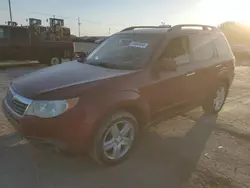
{"points": [[48, 109]]}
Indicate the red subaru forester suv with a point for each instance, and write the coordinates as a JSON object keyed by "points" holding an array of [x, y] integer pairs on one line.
{"points": [[99, 104]]}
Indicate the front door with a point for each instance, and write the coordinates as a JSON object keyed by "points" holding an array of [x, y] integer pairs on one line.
{"points": [[172, 85]]}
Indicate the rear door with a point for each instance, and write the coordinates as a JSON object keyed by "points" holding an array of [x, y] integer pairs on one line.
{"points": [[203, 63], [225, 60]]}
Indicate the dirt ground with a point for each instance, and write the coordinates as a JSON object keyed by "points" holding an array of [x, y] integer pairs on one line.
{"points": [[190, 151]]}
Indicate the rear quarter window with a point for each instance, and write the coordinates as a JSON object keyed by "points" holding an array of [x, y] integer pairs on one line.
{"points": [[202, 47], [222, 46]]}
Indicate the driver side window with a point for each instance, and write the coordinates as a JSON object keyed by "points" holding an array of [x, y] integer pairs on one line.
{"points": [[178, 50]]}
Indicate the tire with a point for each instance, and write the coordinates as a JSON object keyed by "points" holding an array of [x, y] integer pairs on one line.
{"points": [[119, 148], [214, 103], [48, 60], [54, 61]]}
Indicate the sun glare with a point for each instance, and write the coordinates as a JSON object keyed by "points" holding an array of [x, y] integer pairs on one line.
{"points": [[217, 11]]}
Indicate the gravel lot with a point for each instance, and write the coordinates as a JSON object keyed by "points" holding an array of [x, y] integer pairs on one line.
{"points": [[191, 151]]}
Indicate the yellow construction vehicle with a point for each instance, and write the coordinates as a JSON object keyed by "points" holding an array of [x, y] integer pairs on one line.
{"points": [[58, 31], [35, 27]]}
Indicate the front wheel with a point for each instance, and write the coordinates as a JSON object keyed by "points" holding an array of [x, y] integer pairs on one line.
{"points": [[115, 139], [216, 100]]}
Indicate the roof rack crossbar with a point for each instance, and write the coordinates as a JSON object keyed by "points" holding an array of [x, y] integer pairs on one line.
{"points": [[204, 27], [144, 27]]}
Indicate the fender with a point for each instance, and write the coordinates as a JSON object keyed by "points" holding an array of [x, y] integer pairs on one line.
{"points": [[133, 99], [226, 75], [127, 100], [223, 73]]}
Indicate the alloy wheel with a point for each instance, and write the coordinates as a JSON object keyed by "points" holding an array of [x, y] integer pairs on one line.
{"points": [[219, 98], [118, 140]]}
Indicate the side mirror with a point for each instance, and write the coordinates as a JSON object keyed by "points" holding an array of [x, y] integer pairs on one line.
{"points": [[81, 56], [167, 64]]}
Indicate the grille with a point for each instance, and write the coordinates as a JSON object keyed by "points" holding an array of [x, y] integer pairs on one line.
{"points": [[16, 102]]}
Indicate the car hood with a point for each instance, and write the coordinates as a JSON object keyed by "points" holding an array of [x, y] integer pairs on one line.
{"points": [[60, 77]]}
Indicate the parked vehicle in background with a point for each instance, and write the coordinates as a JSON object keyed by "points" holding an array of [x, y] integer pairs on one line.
{"points": [[84, 47], [132, 79], [86, 44], [48, 45], [242, 54]]}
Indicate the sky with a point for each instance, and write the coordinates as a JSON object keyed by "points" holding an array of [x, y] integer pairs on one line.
{"points": [[104, 17]]}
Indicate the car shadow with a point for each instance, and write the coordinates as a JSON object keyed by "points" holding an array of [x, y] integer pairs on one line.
{"points": [[156, 162]]}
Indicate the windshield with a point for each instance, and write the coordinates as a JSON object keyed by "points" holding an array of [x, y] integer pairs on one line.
{"points": [[129, 51]]}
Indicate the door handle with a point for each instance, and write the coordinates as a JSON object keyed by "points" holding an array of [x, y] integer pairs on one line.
{"points": [[190, 74]]}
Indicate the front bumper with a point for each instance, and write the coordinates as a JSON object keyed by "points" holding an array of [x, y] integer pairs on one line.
{"points": [[65, 132]]}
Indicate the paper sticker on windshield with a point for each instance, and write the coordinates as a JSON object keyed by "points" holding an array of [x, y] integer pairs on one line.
{"points": [[138, 44]]}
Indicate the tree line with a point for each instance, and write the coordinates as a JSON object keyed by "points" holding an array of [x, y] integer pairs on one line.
{"points": [[236, 33]]}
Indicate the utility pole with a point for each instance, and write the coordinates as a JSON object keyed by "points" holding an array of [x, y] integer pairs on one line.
{"points": [[79, 26], [10, 12]]}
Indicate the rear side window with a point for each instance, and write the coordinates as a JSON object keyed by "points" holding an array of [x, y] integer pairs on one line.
{"points": [[202, 47], [222, 46], [178, 49]]}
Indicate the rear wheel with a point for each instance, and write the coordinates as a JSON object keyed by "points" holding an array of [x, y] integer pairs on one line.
{"points": [[115, 139], [50, 61], [55, 61], [216, 100]]}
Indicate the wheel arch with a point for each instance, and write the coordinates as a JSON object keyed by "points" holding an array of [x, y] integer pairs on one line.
{"points": [[128, 101], [224, 77], [141, 116], [225, 80]]}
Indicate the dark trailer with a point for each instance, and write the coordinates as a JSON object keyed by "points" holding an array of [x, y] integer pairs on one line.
{"points": [[19, 43]]}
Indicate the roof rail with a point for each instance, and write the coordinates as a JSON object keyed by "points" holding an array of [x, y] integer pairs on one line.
{"points": [[204, 27], [145, 27]]}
